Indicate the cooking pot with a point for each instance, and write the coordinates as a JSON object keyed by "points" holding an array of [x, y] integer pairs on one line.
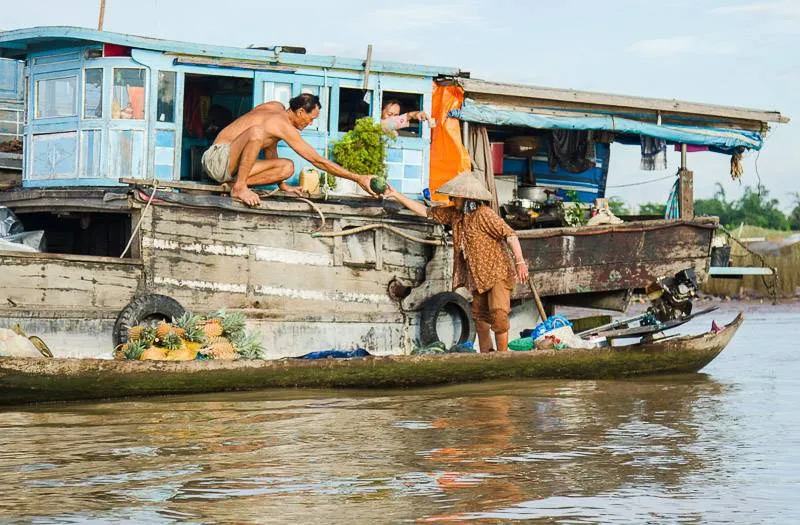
{"points": [[533, 193]]}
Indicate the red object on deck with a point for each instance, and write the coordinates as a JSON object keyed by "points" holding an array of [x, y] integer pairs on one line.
{"points": [[497, 157], [114, 50]]}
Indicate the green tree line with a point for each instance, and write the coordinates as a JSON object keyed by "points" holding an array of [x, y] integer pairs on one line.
{"points": [[754, 208]]}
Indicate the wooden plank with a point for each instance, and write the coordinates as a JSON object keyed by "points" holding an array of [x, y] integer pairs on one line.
{"points": [[686, 186], [230, 62], [623, 101], [56, 283]]}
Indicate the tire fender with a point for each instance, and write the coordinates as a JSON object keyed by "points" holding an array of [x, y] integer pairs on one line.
{"points": [[434, 305], [144, 308]]}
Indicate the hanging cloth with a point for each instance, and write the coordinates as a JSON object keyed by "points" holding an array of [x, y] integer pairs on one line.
{"points": [[673, 210], [737, 165], [481, 159], [572, 150], [654, 153]]}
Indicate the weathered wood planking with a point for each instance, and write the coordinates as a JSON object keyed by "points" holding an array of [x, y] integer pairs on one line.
{"points": [[241, 260], [628, 256], [45, 281]]}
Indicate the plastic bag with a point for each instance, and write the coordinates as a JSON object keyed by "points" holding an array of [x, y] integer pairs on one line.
{"points": [[9, 224], [13, 236]]}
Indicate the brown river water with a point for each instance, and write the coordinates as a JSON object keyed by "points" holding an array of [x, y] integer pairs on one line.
{"points": [[722, 446]]}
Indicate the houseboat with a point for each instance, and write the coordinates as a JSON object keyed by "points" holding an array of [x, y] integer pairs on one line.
{"points": [[112, 127]]}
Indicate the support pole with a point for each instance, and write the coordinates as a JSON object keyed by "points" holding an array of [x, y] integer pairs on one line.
{"points": [[102, 15], [367, 67], [686, 185]]}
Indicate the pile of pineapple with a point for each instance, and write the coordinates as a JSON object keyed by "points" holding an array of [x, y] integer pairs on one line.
{"points": [[219, 336]]}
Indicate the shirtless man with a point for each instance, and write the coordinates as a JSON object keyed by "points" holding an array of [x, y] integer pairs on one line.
{"points": [[234, 154]]}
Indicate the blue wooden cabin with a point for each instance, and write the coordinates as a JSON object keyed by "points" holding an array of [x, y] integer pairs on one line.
{"points": [[100, 106]]}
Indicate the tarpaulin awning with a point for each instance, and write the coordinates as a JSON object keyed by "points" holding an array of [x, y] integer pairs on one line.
{"points": [[724, 139]]}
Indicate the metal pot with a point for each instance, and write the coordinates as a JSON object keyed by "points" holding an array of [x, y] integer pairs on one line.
{"points": [[533, 193]]}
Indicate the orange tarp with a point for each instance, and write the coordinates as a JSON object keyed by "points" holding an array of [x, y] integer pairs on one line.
{"points": [[449, 157]]}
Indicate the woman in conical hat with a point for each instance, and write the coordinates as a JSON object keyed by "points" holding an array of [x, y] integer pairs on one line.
{"points": [[482, 263]]}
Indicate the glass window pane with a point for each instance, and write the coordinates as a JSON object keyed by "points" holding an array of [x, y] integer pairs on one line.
{"points": [[319, 123], [128, 99], [353, 104], [93, 93], [282, 93], [57, 97], [165, 112]]}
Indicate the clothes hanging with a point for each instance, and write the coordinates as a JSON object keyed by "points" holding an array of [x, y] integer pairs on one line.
{"points": [[737, 165], [572, 150], [654, 153]]}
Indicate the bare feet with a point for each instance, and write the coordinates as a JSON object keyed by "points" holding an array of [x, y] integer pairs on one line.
{"points": [[246, 195], [297, 190]]}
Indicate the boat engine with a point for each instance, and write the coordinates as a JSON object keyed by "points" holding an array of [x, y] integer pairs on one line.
{"points": [[671, 297]]}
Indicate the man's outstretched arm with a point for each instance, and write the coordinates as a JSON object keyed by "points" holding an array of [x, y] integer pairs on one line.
{"points": [[301, 147]]}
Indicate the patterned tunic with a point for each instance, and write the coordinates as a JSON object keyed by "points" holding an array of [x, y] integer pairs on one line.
{"points": [[482, 257]]}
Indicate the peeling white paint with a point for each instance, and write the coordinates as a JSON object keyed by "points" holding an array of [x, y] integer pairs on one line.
{"points": [[319, 295], [202, 285], [283, 255], [213, 249]]}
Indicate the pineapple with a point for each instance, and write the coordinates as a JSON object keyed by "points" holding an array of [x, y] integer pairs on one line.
{"points": [[135, 333], [119, 352], [172, 341], [221, 348], [148, 336], [249, 345], [163, 330], [190, 327], [133, 350], [232, 324], [212, 328]]}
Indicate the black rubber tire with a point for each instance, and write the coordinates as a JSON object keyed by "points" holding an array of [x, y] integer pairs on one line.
{"points": [[150, 307], [431, 309]]}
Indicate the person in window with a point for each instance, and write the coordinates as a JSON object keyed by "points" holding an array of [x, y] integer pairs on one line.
{"points": [[392, 120], [234, 155], [483, 262]]}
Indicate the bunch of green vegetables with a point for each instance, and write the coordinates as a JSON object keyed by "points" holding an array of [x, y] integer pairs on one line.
{"points": [[363, 150]]}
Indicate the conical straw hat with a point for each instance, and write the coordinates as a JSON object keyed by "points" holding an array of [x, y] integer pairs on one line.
{"points": [[466, 185]]}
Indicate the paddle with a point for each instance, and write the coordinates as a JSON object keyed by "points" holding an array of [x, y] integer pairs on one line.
{"points": [[537, 299]]}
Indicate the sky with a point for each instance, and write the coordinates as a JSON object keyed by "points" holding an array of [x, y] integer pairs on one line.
{"points": [[740, 53]]}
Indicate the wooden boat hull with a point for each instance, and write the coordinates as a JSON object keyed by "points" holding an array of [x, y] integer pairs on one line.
{"points": [[31, 380]]}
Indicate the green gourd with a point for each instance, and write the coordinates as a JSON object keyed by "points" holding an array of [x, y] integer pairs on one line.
{"points": [[378, 185]]}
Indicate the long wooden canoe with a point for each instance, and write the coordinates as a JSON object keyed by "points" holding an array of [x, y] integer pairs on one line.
{"points": [[25, 380]]}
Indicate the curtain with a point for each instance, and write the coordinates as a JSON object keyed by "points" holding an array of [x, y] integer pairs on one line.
{"points": [[481, 159]]}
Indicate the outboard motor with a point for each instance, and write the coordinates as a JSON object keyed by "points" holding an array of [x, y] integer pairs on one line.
{"points": [[671, 297]]}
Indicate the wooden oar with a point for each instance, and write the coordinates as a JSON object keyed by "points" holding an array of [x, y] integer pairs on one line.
{"points": [[537, 299]]}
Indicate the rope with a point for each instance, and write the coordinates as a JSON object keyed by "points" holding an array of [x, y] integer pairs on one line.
{"points": [[641, 183], [367, 227], [772, 287], [141, 218], [316, 209]]}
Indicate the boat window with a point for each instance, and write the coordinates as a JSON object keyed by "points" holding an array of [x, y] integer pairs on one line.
{"points": [[280, 91], [128, 100], [320, 123], [404, 103], [165, 111], [353, 104], [57, 97], [93, 93], [79, 233]]}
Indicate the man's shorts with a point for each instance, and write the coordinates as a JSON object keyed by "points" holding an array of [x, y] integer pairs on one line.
{"points": [[215, 162]]}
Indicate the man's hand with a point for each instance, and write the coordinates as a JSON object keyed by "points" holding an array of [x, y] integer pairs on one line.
{"points": [[296, 190], [363, 181]]}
